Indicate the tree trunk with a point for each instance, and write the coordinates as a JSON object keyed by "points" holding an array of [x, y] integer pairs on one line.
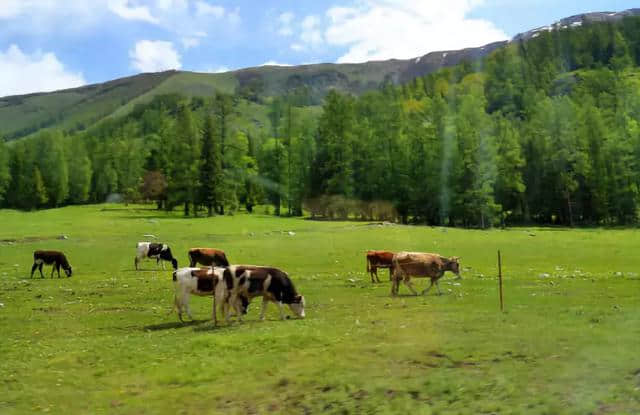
{"points": [[186, 208], [209, 209]]}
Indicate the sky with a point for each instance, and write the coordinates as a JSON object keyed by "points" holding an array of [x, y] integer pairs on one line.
{"points": [[47, 45]]}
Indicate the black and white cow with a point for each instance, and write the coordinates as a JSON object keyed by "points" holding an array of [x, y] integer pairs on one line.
{"points": [[161, 252], [204, 282], [55, 258], [272, 284]]}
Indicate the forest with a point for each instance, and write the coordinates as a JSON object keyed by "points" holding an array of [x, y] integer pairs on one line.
{"points": [[543, 131]]}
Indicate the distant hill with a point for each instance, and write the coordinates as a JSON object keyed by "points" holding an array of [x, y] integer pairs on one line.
{"points": [[78, 108]]}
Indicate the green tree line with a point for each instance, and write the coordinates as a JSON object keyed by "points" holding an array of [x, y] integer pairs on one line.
{"points": [[541, 131]]}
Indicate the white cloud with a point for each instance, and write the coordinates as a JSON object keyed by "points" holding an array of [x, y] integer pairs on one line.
{"points": [[274, 63], [205, 9], [38, 72], [189, 42], [384, 29], [172, 4], [311, 34], [127, 9], [154, 56], [11, 8], [218, 69], [284, 20]]}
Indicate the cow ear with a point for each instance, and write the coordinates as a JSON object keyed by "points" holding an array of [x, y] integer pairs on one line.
{"points": [[298, 299]]}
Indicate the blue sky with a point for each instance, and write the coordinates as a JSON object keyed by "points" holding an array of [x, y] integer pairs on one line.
{"points": [[54, 44]]}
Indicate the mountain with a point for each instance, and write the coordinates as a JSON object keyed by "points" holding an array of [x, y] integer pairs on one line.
{"points": [[78, 108], [578, 20]]}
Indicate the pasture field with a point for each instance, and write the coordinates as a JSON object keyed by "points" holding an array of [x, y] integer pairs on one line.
{"points": [[101, 342]]}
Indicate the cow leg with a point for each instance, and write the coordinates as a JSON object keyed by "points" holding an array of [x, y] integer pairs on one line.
{"points": [[214, 317], [177, 303], [428, 288], [375, 271], [238, 307], [58, 269], [33, 269], [438, 287], [53, 268], [281, 307], [264, 308], [408, 283], [135, 261], [40, 269]]}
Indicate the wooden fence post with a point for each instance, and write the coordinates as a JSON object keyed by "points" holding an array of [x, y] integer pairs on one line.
{"points": [[500, 280]]}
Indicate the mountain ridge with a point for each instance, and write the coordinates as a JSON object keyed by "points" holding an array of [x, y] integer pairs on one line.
{"points": [[77, 108]]}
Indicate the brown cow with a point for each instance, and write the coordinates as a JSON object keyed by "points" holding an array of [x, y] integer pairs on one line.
{"points": [[420, 264], [379, 259], [56, 258], [209, 257]]}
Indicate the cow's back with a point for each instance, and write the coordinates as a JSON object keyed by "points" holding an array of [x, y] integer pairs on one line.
{"points": [[419, 264]]}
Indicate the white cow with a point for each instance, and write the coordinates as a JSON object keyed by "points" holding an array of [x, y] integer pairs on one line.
{"points": [[202, 282], [159, 252]]}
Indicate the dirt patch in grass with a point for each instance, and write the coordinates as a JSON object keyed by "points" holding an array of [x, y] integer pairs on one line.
{"points": [[31, 239]]}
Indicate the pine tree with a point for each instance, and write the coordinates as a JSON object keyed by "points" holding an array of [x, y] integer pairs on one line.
{"points": [[4, 170], [211, 170], [183, 181], [79, 172]]}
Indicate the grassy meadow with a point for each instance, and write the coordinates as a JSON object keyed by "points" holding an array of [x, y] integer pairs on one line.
{"points": [[102, 342]]}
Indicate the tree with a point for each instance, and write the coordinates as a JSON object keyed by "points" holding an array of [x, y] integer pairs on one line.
{"points": [[79, 172], [332, 173], [509, 184], [211, 170], [183, 181], [4, 170], [222, 109], [154, 187], [52, 161]]}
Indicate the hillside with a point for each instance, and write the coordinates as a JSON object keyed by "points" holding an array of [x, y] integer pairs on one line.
{"points": [[77, 108], [543, 130]]}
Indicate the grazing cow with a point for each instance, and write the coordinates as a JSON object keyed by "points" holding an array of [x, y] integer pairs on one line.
{"points": [[208, 257], [419, 264], [379, 259], [161, 252], [203, 282], [56, 258], [270, 283]]}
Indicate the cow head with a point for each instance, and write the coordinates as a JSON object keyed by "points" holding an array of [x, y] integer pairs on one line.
{"points": [[454, 265], [297, 306], [67, 271]]}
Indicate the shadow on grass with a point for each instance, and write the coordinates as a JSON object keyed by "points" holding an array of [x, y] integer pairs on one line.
{"points": [[173, 325]]}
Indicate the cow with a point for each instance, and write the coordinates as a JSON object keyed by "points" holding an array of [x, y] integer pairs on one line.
{"points": [[272, 284], [57, 258], [379, 259], [209, 257], [161, 252], [203, 282], [420, 264]]}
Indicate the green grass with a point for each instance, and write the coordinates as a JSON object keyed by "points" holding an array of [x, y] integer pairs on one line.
{"points": [[102, 342]]}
